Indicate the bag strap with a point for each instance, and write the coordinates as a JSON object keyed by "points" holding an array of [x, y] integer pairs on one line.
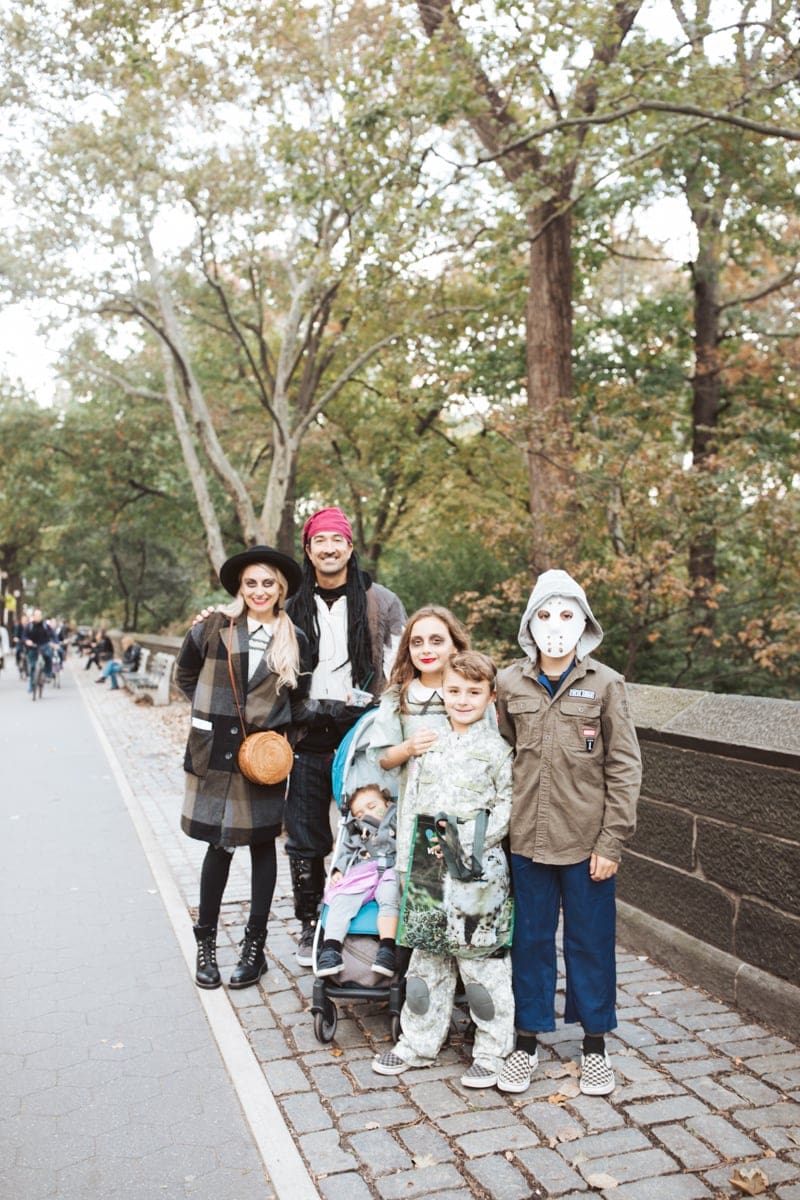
{"points": [[455, 860], [231, 628]]}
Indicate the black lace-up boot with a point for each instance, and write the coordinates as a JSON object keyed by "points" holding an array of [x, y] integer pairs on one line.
{"points": [[207, 972], [252, 964]]}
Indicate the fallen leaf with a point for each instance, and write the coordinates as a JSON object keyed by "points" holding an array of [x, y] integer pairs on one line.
{"points": [[557, 1072], [568, 1134], [372, 1125], [424, 1160], [751, 1181], [599, 1181], [557, 1098], [572, 1068], [570, 1089], [337, 1052]]}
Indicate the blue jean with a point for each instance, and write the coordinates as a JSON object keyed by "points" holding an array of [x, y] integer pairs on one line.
{"points": [[110, 671], [540, 891], [33, 654]]}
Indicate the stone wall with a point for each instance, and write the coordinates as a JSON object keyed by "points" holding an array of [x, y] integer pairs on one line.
{"points": [[712, 876]]}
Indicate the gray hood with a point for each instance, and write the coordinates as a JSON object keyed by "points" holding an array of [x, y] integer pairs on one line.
{"points": [[559, 583]]}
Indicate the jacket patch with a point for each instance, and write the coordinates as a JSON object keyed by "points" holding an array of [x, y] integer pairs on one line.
{"points": [[584, 693]]}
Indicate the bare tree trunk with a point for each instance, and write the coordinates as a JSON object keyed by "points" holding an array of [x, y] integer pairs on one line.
{"points": [[172, 334], [549, 369], [205, 505], [706, 400]]}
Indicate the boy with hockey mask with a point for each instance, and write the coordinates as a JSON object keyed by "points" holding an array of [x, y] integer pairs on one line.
{"points": [[577, 773]]}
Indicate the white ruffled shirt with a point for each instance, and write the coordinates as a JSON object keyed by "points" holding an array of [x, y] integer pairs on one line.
{"points": [[260, 638]]}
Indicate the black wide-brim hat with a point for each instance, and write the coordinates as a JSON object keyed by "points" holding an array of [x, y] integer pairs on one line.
{"points": [[231, 570]]}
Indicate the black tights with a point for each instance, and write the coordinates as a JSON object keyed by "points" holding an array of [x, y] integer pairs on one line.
{"points": [[214, 876]]}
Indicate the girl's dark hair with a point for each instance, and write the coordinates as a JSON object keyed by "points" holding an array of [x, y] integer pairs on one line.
{"points": [[403, 671], [302, 608]]}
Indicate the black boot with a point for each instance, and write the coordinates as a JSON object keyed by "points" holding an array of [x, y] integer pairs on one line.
{"points": [[308, 882], [252, 964], [207, 973]]}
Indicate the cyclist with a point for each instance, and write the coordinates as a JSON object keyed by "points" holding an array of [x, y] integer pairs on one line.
{"points": [[18, 641], [37, 637], [5, 647]]}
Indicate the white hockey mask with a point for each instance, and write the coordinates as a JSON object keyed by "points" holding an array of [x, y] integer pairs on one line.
{"points": [[557, 634]]}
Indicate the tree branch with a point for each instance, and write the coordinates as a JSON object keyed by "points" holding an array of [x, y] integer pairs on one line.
{"points": [[686, 110]]}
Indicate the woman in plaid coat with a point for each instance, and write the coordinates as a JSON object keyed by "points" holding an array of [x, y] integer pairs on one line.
{"points": [[270, 662]]}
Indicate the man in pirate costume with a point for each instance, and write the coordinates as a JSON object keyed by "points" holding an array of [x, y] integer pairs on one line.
{"points": [[353, 625]]}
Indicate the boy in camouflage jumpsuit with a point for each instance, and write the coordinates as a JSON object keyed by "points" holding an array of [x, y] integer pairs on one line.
{"points": [[465, 773]]}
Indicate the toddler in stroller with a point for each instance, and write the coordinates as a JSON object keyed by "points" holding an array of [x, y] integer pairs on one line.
{"points": [[363, 870], [354, 951]]}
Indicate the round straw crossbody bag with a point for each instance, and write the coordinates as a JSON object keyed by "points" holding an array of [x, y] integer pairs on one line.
{"points": [[263, 757]]}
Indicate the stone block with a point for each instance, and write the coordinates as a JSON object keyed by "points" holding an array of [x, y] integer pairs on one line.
{"points": [[725, 1138], [769, 939], [500, 1179], [751, 864], [324, 1154], [670, 1109], [625, 1168], [664, 832], [306, 1113], [688, 1149], [550, 1170], [669, 1187], [497, 1141], [699, 908], [759, 722], [752, 795], [378, 1150], [424, 1142], [348, 1186], [419, 1183]]}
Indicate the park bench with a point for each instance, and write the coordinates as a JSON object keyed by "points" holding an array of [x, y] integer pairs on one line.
{"points": [[152, 680]]}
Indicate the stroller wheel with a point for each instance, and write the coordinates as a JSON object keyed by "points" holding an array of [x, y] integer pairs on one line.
{"points": [[395, 1027], [325, 1022]]}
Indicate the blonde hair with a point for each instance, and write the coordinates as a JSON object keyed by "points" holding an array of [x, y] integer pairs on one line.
{"points": [[283, 652]]}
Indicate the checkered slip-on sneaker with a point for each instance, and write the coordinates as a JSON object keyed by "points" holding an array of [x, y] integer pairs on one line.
{"points": [[518, 1071], [305, 948], [389, 1063], [597, 1077], [479, 1077]]}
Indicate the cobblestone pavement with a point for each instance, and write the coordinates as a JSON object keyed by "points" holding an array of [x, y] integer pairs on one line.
{"points": [[703, 1092]]}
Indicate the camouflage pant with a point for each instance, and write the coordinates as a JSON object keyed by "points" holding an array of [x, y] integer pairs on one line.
{"points": [[430, 991]]}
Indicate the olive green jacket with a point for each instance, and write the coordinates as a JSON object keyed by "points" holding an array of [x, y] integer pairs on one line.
{"points": [[577, 767]]}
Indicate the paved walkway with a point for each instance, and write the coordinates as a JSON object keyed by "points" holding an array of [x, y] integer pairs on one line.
{"points": [[703, 1092]]}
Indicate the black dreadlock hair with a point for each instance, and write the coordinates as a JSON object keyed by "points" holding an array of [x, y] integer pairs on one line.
{"points": [[302, 609]]}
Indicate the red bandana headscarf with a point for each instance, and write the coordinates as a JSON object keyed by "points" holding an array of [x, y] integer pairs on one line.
{"points": [[327, 520]]}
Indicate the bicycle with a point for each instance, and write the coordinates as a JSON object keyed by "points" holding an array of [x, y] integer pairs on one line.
{"points": [[57, 664], [38, 671]]}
